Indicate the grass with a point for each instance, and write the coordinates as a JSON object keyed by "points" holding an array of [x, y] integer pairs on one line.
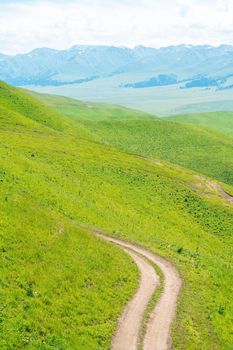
{"points": [[56, 292], [199, 149], [204, 150], [52, 180], [221, 121], [78, 110]]}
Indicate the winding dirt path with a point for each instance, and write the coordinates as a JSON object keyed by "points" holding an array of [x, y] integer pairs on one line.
{"points": [[157, 335], [129, 324]]}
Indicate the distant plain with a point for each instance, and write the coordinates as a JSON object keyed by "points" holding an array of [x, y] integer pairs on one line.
{"points": [[160, 101]]}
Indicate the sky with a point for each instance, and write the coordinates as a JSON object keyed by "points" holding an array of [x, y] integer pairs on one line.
{"points": [[59, 24]]}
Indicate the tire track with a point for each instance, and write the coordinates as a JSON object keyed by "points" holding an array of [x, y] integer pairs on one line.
{"points": [[157, 335]]}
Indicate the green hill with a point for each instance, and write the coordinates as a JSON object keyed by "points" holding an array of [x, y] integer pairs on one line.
{"points": [[62, 288], [204, 150], [52, 273], [200, 149], [221, 121], [82, 111]]}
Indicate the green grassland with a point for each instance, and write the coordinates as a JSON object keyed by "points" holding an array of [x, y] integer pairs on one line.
{"points": [[62, 288], [59, 285], [221, 121], [82, 111], [205, 150], [190, 146]]}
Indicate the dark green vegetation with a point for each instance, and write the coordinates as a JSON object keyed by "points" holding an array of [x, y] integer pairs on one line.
{"points": [[62, 288], [221, 121]]}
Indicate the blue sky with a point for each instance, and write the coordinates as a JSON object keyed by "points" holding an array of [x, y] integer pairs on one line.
{"points": [[27, 24]]}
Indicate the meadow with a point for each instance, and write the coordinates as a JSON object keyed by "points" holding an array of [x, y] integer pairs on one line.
{"points": [[196, 147], [63, 288], [221, 121]]}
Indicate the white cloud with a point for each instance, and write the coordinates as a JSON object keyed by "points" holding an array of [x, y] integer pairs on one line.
{"points": [[26, 24]]}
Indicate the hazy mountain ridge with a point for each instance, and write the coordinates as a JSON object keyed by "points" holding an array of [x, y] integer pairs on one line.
{"points": [[45, 66]]}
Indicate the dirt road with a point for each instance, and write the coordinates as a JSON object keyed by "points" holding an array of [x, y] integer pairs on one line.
{"points": [[126, 337], [157, 335]]}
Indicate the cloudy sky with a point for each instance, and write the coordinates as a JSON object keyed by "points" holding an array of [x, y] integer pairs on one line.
{"points": [[27, 24]]}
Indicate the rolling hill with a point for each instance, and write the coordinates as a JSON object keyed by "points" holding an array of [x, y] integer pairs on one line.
{"points": [[204, 150], [221, 121], [63, 288]]}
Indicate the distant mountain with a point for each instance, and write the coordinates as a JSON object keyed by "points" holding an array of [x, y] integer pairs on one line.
{"points": [[82, 63]]}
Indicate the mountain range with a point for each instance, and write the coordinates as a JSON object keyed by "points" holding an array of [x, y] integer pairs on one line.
{"points": [[82, 63]]}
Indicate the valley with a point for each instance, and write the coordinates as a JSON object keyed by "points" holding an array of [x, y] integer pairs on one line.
{"points": [[161, 101], [162, 81]]}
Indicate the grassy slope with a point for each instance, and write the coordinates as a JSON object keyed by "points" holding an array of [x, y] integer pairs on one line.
{"points": [[43, 251], [56, 291], [89, 110], [221, 121], [195, 147]]}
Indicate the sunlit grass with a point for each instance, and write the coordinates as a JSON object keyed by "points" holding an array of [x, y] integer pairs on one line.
{"points": [[63, 288]]}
